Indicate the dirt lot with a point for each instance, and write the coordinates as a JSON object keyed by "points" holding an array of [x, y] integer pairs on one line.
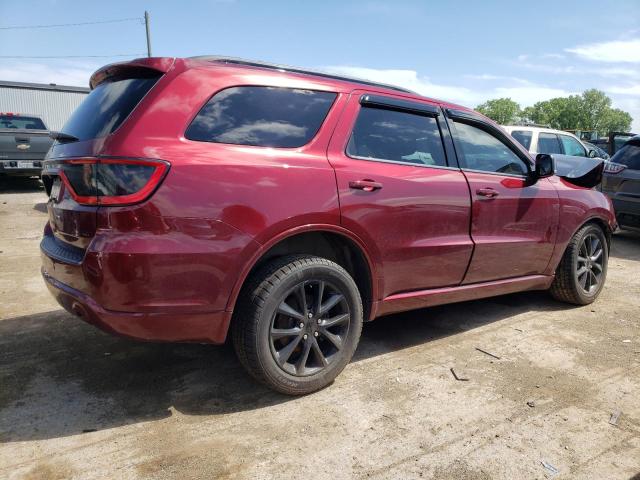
{"points": [[78, 403]]}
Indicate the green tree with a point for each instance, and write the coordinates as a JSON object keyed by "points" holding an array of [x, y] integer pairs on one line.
{"points": [[617, 120], [589, 111], [595, 107], [501, 110]]}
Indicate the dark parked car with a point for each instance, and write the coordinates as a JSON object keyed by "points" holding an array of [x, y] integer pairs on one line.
{"points": [[24, 142], [190, 197], [599, 152], [613, 142], [621, 181]]}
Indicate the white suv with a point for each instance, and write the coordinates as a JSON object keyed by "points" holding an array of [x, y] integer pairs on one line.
{"points": [[548, 140]]}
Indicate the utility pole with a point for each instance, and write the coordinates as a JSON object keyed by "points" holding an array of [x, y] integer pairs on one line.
{"points": [[147, 28]]}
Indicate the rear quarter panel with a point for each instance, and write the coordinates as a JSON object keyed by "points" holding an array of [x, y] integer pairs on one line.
{"points": [[218, 204]]}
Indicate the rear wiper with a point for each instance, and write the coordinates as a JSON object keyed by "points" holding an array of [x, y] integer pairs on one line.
{"points": [[63, 137]]}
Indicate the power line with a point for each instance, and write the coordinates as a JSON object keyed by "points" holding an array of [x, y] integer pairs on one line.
{"points": [[119, 20], [76, 56]]}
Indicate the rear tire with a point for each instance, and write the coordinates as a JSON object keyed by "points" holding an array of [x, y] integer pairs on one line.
{"points": [[582, 271], [298, 323]]}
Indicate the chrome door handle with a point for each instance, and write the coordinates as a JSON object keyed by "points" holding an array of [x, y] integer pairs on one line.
{"points": [[365, 185], [487, 193]]}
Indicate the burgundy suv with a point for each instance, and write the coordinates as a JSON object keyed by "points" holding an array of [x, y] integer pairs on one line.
{"points": [[190, 197]]}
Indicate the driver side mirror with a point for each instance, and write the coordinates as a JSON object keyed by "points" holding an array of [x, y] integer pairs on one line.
{"points": [[545, 166], [593, 153]]}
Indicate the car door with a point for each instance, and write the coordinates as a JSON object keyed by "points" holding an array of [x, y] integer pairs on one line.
{"points": [[513, 222], [401, 191]]}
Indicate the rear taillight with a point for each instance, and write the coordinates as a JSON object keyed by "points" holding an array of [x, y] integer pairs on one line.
{"points": [[112, 181], [612, 167]]}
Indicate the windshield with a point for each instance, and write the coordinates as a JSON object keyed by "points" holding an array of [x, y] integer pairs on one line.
{"points": [[107, 106], [20, 122]]}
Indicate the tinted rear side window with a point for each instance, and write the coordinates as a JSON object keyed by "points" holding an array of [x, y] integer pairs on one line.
{"points": [[523, 137], [548, 143], [628, 155], [396, 136], [107, 106], [261, 116]]}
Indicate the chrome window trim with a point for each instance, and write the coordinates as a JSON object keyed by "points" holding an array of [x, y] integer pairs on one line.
{"points": [[501, 174], [395, 162]]}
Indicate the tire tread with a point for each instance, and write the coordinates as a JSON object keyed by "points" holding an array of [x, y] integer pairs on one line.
{"points": [[251, 301], [564, 287]]}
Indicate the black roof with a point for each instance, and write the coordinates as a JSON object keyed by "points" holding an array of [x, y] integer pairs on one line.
{"points": [[44, 86], [288, 68]]}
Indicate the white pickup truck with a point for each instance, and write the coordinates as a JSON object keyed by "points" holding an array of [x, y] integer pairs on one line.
{"points": [[24, 142]]}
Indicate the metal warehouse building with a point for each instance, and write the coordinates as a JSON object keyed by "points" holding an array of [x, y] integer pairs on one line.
{"points": [[53, 103]]}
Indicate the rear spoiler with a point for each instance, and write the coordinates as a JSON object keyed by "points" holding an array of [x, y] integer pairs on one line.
{"points": [[140, 66], [581, 171]]}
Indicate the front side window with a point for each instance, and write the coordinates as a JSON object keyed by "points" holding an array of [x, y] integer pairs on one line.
{"points": [[549, 143], [396, 136], [572, 146], [261, 116], [523, 137], [485, 152]]}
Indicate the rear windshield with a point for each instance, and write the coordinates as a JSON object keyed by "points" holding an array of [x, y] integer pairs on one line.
{"points": [[106, 107], [261, 116], [628, 155], [18, 121], [523, 137]]}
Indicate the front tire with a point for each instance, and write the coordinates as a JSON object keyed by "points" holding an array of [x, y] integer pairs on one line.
{"points": [[298, 323], [582, 271]]}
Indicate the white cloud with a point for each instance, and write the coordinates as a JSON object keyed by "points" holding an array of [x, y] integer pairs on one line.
{"points": [[64, 73], [490, 77], [625, 90], [407, 79], [526, 94], [623, 51]]}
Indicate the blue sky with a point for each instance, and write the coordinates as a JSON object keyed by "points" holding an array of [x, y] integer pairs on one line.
{"points": [[465, 52]]}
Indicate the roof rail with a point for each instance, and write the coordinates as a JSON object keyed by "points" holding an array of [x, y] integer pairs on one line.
{"points": [[288, 68], [531, 124]]}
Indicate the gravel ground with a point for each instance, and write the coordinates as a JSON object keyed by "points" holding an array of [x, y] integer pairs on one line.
{"points": [[78, 403]]}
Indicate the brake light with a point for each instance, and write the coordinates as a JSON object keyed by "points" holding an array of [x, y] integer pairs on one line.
{"points": [[112, 181], [612, 167]]}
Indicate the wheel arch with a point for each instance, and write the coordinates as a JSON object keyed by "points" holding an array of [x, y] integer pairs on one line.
{"points": [[328, 241], [603, 224]]}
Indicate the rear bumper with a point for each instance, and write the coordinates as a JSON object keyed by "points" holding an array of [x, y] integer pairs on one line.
{"points": [[10, 168], [208, 327], [627, 212]]}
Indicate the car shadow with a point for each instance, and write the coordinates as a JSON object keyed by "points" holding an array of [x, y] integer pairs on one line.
{"points": [[20, 184], [625, 245], [40, 207], [62, 377]]}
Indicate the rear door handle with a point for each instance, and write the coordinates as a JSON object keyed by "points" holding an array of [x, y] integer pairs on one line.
{"points": [[365, 185], [487, 192]]}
